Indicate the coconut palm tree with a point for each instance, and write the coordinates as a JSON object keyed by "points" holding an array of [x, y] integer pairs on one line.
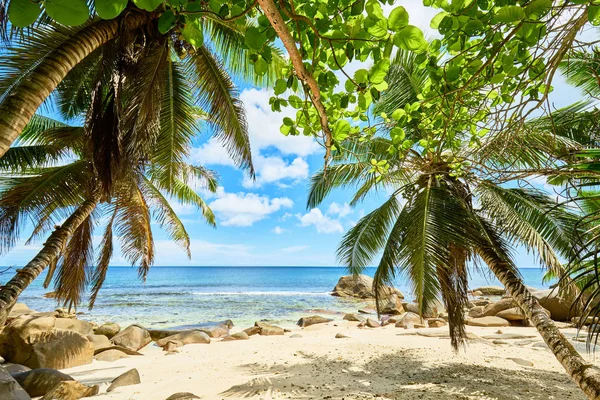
{"points": [[445, 208]]}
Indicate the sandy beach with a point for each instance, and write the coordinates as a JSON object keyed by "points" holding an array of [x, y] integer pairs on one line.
{"points": [[385, 363]]}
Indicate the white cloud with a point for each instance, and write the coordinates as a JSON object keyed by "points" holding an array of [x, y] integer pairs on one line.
{"points": [[341, 211], [244, 209], [279, 230], [211, 152], [293, 249], [276, 169], [322, 222]]}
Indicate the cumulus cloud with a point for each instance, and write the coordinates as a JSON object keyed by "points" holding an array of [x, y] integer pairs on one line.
{"points": [[244, 209], [275, 169], [341, 211], [279, 230], [322, 222]]}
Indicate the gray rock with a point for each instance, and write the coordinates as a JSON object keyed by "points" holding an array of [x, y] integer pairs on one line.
{"points": [[108, 329], [133, 337], [371, 323], [436, 323], [75, 325], [312, 320], [361, 286], [487, 321], [392, 305], [494, 308], [240, 336], [38, 382], [560, 309], [110, 355], [409, 320], [354, 318], [490, 290], [182, 396], [131, 377], [253, 330], [99, 341], [121, 349], [71, 390], [14, 369], [10, 389], [187, 337], [433, 311], [267, 329], [476, 311]]}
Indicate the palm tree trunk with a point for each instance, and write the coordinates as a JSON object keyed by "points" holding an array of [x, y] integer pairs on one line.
{"points": [[24, 99], [51, 250], [583, 373]]}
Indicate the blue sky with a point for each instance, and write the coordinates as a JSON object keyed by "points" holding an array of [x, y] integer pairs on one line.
{"points": [[266, 222]]}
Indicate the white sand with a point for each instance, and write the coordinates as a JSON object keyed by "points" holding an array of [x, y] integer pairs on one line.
{"points": [[384, 363]]}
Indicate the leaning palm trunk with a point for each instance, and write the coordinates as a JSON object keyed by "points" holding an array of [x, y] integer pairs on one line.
{"points": [[24, 99], [47, 255], [581, 372]]}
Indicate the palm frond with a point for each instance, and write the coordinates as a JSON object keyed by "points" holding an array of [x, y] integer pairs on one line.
{"points": [[103, 260]]}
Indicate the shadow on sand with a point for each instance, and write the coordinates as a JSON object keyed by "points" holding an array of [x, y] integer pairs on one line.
{"points": [[400, 376]]}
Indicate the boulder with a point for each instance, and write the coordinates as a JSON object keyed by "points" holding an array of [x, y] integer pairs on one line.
{"points": [[371, 323], [240, 336], [522, 362], [267, 329], [10, 389], [38, 382], [182, 396], [215, 331], [186, 337], [494, 308], [487, 321], [99, 341], [172, 345], [392, 305], [253, 330], [19, 309], [312, 320], [479, 302], [476, 311], [560, 309], [436, 323], [354, 318], [108, 329], [131, 377], [490, 290], [295, 336], [361, 286], [121, 349], [110, 355], [133, 337], [341, 336], [409, 320], [433, 310], [14, 369], [71, 390], [34, 342], [515, 314], [65, 313]]}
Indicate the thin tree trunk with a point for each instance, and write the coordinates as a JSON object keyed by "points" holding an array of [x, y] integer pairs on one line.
{"points": [[582, 372], [24, 99], [10, 292]]}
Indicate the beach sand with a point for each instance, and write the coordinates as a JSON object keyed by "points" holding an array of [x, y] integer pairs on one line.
{"points": [[384, 363]]}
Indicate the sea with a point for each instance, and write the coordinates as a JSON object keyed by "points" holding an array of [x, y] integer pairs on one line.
{"points": [[175, 297]]}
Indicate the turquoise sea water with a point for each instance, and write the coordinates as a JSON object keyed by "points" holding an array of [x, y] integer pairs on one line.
{"points": [[176, 296]]}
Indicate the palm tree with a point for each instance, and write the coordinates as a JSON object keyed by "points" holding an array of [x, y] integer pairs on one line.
{"points": [[37, 64], [446, 208]]}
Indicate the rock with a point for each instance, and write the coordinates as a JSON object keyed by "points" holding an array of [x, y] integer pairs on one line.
{"points": [[476, 312], [172, 345], [481, 302], [38, 382], [99, 341], [409, 320], [392, 305], [186, 337], [10, 389], [215, 331], [367, 311], [353, 317], [133, 337], [312, 320], [34, 342], [131, 377], [295, 336], [487, 321], [64, 313], [477, 293], [240, 336], [371, 323], [509, 336], [588, 321], [253, 330], [14, 369], [182, 396], [522, 362], [341, 336], [490, 290], [121, 349], [71, 390], [268, 329], [361, 286], [560, 309], [110, 355], [433, 311], [19, 309], [436, 323], [108, 329], [494, 308]]}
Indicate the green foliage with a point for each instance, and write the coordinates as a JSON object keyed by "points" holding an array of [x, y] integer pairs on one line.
{"points": [[67, 12], [23, 13], [109, 9]]}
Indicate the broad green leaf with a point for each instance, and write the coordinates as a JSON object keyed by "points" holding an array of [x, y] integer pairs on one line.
{"points": [[538, 8], [260, 66], [398, 18], [67, 12], [473, 27], [594, 15], [22, 13], [192, 32], [435, 21], [148, 5], [376, 27], [254, 38], [361, 76], [341, 129], [411, 38], [509, 14], [166, 22], [109, 9], [280, 87], [379, 71]]}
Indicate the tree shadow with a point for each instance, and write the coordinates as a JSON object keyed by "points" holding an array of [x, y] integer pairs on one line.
{"points": [[400, 375]]}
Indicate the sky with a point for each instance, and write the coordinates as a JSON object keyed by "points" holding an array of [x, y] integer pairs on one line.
{"points": [[265, 222]]}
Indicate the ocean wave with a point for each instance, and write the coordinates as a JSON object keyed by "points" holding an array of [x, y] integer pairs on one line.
{"points": [[259, 293]]}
